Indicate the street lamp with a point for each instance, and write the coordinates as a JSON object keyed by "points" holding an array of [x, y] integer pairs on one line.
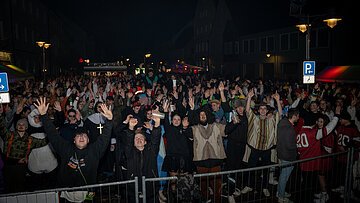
{"points": [[44, 46], [306, 27], [146, 56]]}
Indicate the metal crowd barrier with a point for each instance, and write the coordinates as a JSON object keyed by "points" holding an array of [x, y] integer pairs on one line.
{"points": [[219, 186], [124, 191], [302, 186]]}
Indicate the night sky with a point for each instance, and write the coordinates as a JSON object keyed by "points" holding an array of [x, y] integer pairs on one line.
{"points": [[128, 27], [131, 28]]}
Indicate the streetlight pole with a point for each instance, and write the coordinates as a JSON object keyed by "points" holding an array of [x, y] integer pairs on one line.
{"points": [[44, 46], [307, 52], [332, 22]]}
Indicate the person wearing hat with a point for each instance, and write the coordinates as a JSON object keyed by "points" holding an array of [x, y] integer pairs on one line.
{"points": [[261, 139], [17, 147], [219, 108], [237, 138], [80, 159]]}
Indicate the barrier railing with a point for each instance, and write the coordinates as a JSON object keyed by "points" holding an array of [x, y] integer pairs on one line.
{"points": [[258, 184], [124, 191]]}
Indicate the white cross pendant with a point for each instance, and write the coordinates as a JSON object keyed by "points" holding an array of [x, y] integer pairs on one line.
{"points": [[100, 127]]}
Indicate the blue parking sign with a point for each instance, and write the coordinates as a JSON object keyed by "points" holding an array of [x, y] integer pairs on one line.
{"points": [[4, 84], [309, 67]]}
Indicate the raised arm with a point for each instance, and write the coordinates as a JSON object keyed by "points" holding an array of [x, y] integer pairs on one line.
{"points": [[330, 126], [276, 96], [155, 136], [60, 145], [103, 140], [248, 101], [222, 94]]}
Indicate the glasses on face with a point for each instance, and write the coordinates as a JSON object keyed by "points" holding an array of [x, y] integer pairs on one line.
{"points": [[72, 116]]}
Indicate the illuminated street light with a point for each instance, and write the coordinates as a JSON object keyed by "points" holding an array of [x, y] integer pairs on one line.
{"points": [[306, 27], [44, 46], [145, 57]]}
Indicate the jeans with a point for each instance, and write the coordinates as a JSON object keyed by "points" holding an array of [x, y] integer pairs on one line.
{"points": [[284, 176]]}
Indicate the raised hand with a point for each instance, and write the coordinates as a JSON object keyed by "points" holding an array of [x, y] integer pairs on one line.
{"points": [[128, 117], [276, 96], [166, 105], [57, 106], [78, 115], [68, 92], [41, 105], [191, 103], [221, 87], [106, 112], [251, 93], [156, 119], [132, 123], [19, 108], [354, 102], [147, 125]]}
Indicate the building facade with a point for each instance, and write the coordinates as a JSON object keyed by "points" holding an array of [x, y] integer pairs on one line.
{"points": [[244, 41], [24, 22]]}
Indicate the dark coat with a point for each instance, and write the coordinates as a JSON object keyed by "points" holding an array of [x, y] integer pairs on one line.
{"points": [[237, 139], [72, 158], [286, 141], [142, 163]]}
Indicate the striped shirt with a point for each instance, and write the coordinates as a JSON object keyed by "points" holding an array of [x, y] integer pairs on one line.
{"points": [[262, 132]]}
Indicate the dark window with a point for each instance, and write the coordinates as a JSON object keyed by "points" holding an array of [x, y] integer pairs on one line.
{"points": [[294, 40], [252, 46], [236, 47], [270, 43], [263, 45], [284, 40], [230, 47], [246, 46]]}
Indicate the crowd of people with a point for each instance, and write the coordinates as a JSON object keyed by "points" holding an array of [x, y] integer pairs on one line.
{"points": [[77, 130]]}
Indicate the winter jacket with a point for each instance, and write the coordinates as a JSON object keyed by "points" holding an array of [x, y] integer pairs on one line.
{"points": [[286, 141], [78, 166]]}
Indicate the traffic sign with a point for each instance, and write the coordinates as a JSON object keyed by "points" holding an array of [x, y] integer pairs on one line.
{"points": [[4, 98], [4, 84], [309, 68], [309, 79]]}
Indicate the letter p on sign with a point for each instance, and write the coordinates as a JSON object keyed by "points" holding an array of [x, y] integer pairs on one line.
{"points": [[308, 68]]}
